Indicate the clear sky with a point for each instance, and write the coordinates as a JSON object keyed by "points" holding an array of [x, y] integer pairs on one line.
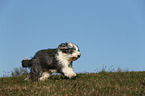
{"points": [[110, 32]]}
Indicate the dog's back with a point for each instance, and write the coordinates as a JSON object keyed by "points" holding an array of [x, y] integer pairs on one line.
{"points": [[45, 58]]}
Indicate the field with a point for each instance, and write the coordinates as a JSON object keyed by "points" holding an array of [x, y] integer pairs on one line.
{"points": [[89, 84]]}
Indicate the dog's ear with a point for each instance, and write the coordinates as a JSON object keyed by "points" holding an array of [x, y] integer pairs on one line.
{"points": [[63, 46]]}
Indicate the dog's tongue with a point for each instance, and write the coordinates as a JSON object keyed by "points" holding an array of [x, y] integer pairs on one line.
{"points": [[74, 58]]}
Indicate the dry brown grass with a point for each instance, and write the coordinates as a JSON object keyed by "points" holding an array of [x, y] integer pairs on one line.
{"points": [[93, 84]]}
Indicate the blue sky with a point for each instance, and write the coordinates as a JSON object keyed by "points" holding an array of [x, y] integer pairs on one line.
{"points": [[110, 32]]}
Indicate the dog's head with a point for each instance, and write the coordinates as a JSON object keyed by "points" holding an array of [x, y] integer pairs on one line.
{"points": [[70, 51]]}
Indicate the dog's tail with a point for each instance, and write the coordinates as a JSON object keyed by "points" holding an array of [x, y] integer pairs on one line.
{"points": [[26, 63]]}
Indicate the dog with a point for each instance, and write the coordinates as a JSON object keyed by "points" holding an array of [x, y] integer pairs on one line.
{"points": [[49, 61]]}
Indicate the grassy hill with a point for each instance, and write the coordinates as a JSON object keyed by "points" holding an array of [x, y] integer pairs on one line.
{"points": [[93, 84]]}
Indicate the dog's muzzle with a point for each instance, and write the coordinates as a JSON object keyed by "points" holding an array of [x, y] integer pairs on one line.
{"points": [[75, 58]]}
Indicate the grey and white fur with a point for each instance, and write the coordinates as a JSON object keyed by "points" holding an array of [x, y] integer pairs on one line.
{"points": [[49, 61]]}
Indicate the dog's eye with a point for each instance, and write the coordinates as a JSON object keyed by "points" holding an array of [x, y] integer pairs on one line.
{"points": [[65, 50]]}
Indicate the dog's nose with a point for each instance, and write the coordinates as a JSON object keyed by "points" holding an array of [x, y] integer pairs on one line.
{"points": [[79, 56]]}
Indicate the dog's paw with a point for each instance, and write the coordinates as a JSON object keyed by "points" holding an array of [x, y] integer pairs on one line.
{"points": [[42, 79], [45, 76], [70, 75], [69, 72], [27, 78]]}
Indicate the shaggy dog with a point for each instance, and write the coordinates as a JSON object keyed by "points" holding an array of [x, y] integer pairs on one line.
{"points": [[50, 61]]}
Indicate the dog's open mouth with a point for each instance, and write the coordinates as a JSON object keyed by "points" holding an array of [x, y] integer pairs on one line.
{"points": [[74, 58]]}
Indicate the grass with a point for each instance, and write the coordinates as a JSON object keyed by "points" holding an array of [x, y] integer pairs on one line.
{"points": [[91, 84]]}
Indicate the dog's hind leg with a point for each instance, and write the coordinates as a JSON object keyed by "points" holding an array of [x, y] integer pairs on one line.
{"points": [[45, 76], [35, 69]]}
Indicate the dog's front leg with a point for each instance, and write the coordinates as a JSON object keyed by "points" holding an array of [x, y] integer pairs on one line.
{"points": [[69, 72]]}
